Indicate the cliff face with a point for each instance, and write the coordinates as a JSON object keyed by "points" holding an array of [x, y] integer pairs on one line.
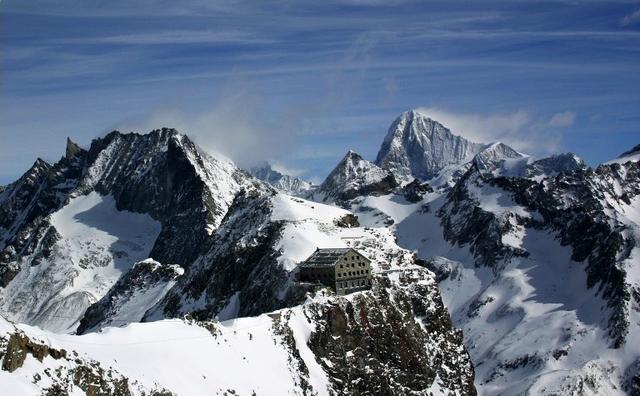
{"points": [[395, 340], [418, 147]]}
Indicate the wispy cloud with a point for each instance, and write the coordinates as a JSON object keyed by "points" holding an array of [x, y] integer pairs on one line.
{"points": [[631, 18], [317, 78], [238, 126], [173, 37], [519, 128], [563, 119]]}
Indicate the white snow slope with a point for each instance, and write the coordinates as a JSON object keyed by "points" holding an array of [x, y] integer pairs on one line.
{"points": [[98, 244], [244, 355], [531, 326]]}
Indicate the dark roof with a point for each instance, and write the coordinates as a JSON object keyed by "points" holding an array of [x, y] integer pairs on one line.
{"points": [[325, 257]]}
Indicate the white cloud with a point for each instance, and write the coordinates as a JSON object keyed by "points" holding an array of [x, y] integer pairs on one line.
{"points": [[238, 126], [631, 18], [286, 170], [518, 129], [564, 119], [172, 37]]}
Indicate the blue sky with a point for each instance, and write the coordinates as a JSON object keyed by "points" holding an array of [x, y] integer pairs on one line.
{"points": [[301, 82]]}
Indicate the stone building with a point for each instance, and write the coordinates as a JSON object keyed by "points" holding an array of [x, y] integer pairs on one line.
{"points": [[344, 269]]}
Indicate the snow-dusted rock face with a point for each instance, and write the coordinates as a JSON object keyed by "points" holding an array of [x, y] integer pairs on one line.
{"points": [[418, 147], [240, 274], [541, 275], [499, 158], [395, 340], [285, 183], [132, 296], [360, 337], [354, 176], [71, 229], [554, 165], [164, 175]]}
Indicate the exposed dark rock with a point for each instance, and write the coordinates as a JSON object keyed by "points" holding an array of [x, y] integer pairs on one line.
{"points": [[347, 221], [19, 346], [391, 341], [415, 191], [574, 205]]}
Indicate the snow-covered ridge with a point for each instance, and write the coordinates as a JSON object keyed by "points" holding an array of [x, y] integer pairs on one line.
{"points": [[630, 155]]}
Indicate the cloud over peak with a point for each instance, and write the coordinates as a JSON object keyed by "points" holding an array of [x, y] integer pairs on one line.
{"points": [[520, 128]]}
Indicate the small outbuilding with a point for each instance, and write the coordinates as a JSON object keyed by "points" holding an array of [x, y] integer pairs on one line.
{"points": [[344, 269]]}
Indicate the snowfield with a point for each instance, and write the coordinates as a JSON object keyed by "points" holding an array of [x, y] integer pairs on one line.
{"points": [[97, 244], [244, 355]]}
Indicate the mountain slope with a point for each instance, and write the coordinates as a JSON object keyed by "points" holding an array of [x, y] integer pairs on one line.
{"points": [[316, 348], [537, 262], [71, 229], [150, 229]]}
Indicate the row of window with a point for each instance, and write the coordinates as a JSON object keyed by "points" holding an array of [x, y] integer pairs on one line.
{"points": [[353, 283], [352, 273], [360, 264]]}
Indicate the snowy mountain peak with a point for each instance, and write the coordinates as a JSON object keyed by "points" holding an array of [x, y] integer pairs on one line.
{"points": [[68, 231], [355, 176], [417, 146], [555, 164], [353, 165], [491, 157], [289, 184], [39, 166]]}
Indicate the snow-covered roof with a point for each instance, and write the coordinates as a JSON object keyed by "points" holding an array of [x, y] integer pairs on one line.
{"points": [[325, 257]]}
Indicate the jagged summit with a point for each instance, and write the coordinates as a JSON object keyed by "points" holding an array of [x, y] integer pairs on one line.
{"points": [[72, 149], [355, 176], [289, 184], [417, 146]]}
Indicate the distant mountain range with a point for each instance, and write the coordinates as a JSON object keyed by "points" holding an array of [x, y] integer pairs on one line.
{"points": [[151, 267]]}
